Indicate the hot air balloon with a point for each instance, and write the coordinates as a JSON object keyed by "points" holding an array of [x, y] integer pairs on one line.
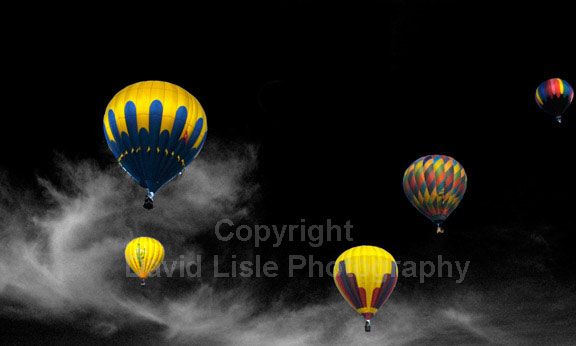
{"points": [[554, 96], [144, 256], [154, 129], [365, 276], [435, 185]]}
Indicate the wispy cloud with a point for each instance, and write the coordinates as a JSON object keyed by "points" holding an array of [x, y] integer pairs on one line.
{"points": [[64, 252], [61, 259]]}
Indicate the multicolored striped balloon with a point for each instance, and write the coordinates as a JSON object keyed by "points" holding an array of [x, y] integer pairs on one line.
{"points": [[435, 185], [365, 276], [554, 96]]}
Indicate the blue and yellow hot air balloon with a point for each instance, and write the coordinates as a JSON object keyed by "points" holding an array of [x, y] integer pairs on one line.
{"points": [[366, 276], [554, 96], [154, 129], [435, 185]]}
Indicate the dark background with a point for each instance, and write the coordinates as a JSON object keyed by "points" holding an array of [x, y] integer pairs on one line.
{"points": [[339, 98]]}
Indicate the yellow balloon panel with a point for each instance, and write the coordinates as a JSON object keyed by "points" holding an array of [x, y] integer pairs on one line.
{"points": [[142, 94]]}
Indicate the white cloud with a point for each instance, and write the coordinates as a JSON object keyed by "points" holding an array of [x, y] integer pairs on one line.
{"points": [[62, 257], [64, 253]]}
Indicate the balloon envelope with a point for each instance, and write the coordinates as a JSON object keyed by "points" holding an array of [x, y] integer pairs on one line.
{"points": [[554, 96], [435, 185], [144, 255], [154, 129], [365, 276]]}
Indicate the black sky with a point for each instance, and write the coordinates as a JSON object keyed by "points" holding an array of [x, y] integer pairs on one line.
{"points": [[338, 99]]}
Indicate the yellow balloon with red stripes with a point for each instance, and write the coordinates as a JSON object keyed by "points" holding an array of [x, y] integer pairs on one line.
{"points": [[366, 276], [144, 255]]}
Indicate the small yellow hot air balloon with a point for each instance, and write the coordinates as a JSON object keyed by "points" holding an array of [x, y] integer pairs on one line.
{"points": [[365, 276], [144, 255]]}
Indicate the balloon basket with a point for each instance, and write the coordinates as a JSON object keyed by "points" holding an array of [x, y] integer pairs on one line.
{"points": [[439, 230], [367, 326], [148, 203]]}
